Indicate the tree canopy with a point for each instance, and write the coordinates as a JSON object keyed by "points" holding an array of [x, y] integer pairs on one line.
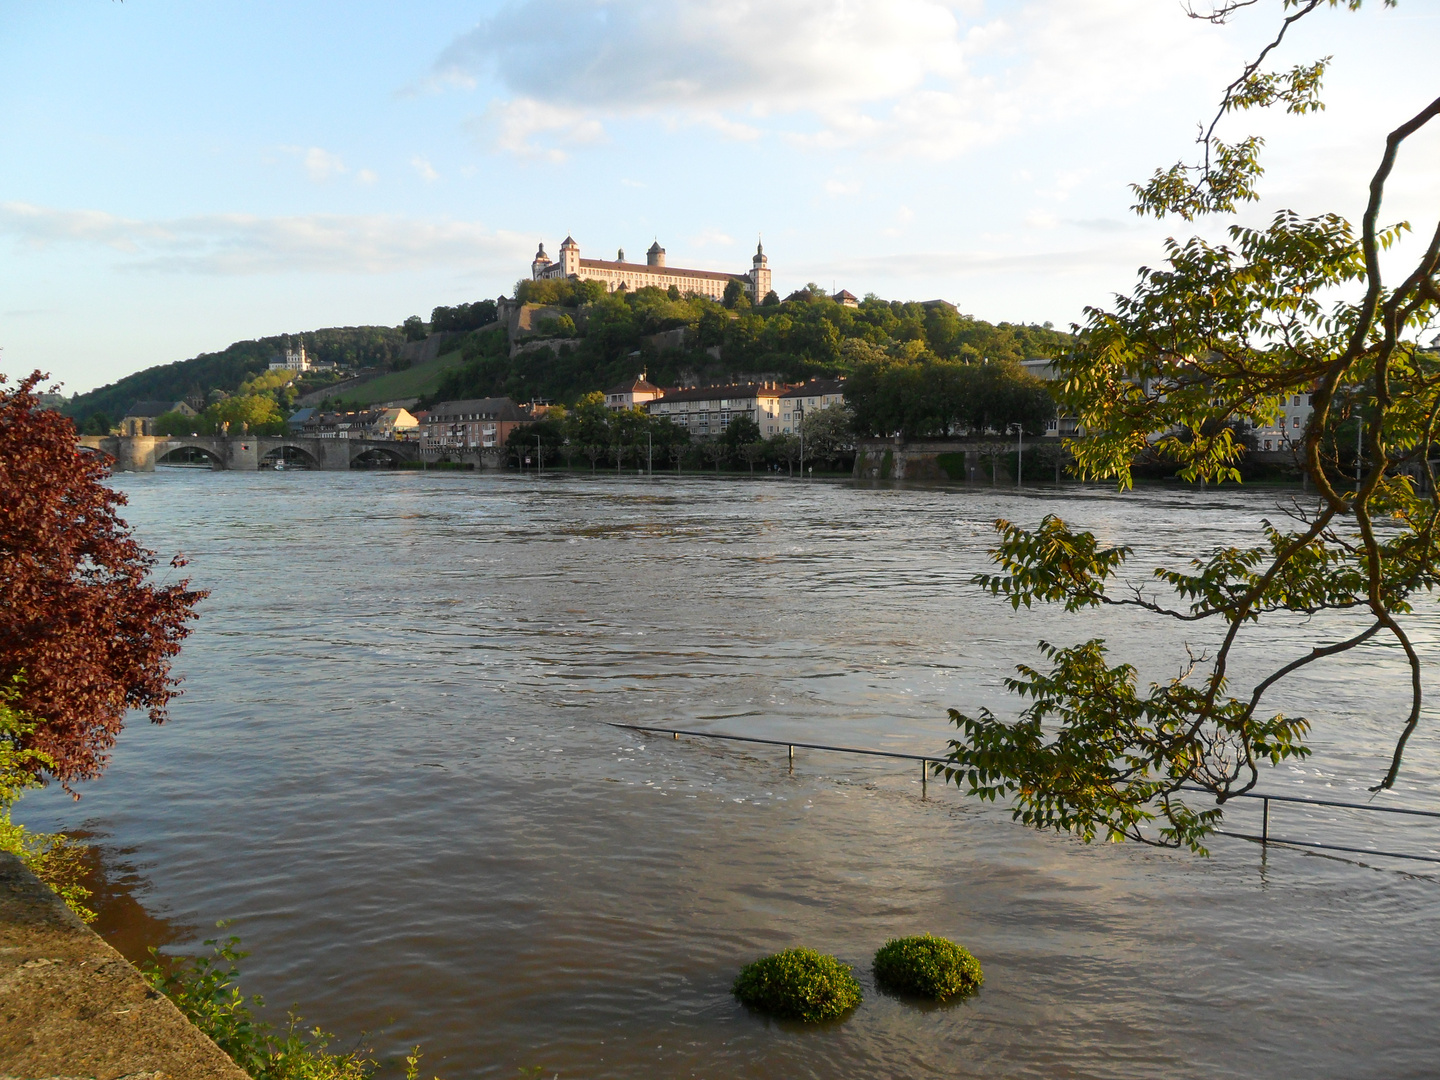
{"points": [[1223, 333], [85, 635]]}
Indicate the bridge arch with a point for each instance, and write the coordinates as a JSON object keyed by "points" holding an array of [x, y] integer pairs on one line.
{"points": [[292, 454], [188, 453], [370, 456]]}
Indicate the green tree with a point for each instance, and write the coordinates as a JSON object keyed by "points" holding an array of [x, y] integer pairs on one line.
{"points": [[1221, 334], [740, 431], [98, 424], [414, 328], [735, 295], [177, 423], [829, 433]]}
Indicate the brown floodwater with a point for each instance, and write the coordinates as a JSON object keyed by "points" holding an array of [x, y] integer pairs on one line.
{"points": [[393, 770]]}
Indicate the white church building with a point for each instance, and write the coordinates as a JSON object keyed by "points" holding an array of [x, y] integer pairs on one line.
{"points": [[653, 272]]}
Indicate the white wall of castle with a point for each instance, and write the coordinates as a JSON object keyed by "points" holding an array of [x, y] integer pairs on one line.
{"points": [[635, 276]]}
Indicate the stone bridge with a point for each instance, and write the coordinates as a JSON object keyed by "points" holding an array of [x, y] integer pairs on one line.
{"points": [[141, 453]]}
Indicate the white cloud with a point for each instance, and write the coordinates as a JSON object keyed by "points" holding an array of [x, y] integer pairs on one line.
{"points": [[928, 78], [534, 129], [424, 168], [241, 244], [657, 54], [366, 177], [321, 165], [712, 238]]}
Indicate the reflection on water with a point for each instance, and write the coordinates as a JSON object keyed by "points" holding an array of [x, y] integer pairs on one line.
{"points": [[393, 769], [126, 914]]}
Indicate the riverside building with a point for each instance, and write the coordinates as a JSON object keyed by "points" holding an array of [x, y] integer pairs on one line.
{"points": [[620, 274], [706, 411]]}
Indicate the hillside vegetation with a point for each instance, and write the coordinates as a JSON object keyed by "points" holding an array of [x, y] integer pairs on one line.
{"points": [[609, 339], [200, 376], [421, 380]]}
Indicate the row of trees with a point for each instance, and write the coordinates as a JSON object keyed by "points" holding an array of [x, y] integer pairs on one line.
{"points": [[590, 431], [459, 317], [919, 396]]}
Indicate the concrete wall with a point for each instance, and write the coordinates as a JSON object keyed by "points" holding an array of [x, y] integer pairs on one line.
{"points": [[975, 461], [71, 1006]]}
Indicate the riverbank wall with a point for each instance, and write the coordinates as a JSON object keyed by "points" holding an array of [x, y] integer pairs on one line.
{"points": [[71, 1006], [974, 461]]}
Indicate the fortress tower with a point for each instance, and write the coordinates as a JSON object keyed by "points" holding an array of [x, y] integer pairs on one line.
{"points": [[759, 276]]}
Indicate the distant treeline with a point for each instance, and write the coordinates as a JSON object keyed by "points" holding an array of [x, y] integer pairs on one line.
{"points": [[460, 317], [807, 334], [200, 378]]}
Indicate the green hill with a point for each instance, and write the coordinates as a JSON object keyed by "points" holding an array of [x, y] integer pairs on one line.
{"points": [[348, 346], [422, 380]]}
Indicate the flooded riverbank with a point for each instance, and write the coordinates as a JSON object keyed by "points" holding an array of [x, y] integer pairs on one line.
{"points": [[393, 769]]}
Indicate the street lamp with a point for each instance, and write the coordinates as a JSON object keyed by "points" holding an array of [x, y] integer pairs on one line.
{"points": [[539, 460], [649, 454], [1019, 453]]}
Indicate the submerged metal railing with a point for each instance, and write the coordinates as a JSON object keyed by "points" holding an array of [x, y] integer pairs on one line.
{"points": [[1264, 838]]}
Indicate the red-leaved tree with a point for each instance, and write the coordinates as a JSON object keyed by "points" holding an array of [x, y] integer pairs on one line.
{"points": [[81, 624]]}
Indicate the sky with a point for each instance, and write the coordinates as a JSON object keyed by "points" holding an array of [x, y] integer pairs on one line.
{"points": [[176, 175]]}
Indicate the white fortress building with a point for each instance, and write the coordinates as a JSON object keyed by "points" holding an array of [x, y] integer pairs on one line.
{"points": [[630, 276]]}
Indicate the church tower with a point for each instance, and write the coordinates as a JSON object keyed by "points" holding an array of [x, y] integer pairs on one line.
{"points": [[759, 275], [540, 264]]}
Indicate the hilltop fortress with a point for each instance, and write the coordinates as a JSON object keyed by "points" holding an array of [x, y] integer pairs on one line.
{"points": [[630, 276]]}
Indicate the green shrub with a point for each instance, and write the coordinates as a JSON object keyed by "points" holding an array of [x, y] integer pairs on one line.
{"points": [[798, 984], [52, 857], [204, 989], [927, 966]]}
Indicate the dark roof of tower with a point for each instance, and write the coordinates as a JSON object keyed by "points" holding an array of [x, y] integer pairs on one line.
{"points": [[655, 248], [569, 241]]}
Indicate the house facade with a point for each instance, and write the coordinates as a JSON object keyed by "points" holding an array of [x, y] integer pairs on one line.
{"points": [[141, 416], [630, 394], [808, 397], [473, 424], [706, 411], [1288, 430], [389, 424]]}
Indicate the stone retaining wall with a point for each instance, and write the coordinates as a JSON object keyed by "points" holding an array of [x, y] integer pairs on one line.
{"points": [[71, 1006]]}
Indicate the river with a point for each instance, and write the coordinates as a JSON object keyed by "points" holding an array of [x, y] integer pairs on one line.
{"points": [[393, 769]]}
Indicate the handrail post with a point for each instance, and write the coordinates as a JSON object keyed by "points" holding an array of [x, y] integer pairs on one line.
{"points": [[792, 757], [1265, 821], [924, 778]]}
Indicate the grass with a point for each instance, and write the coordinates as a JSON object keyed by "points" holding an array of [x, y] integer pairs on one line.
{"points": [[927, 966], [413, 382], [798, 984]]}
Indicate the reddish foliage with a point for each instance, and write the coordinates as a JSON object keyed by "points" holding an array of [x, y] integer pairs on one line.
{"points": [[78, 618]]}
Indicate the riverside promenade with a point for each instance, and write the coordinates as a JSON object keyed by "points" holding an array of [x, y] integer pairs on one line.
{"points": [[71, 1006]]}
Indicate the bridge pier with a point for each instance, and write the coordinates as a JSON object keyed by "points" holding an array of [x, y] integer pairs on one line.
{"points": [[242, 454]]}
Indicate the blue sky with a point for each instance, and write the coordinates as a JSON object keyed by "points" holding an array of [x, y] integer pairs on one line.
{"points": [[176, 176]]}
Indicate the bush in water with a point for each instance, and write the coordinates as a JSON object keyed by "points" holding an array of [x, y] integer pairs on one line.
{"points": [[927, 966], [798, 984]]}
